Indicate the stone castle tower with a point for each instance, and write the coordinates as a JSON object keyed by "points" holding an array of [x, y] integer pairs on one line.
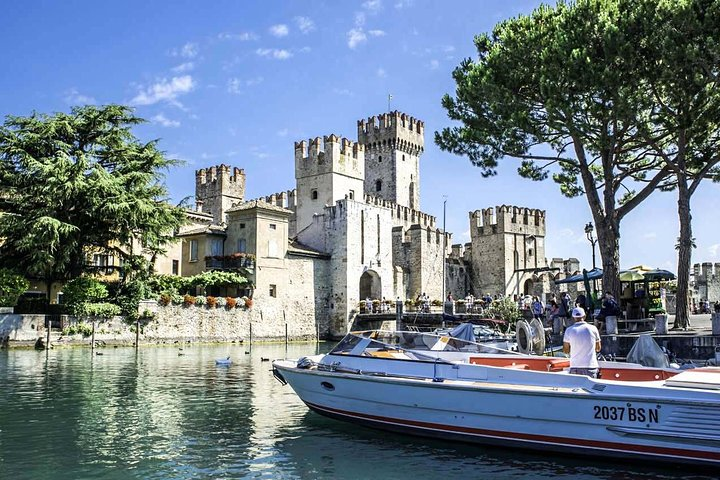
{"points": [[706, 281], [326, 170], [216, 190], [393, 144], [508, 247]]}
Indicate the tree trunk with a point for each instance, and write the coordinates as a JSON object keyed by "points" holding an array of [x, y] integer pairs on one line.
{"points": [[685, 246], [609, 245]]}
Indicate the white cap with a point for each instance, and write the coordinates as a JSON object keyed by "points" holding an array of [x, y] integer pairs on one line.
{"points": [[578, 312]]}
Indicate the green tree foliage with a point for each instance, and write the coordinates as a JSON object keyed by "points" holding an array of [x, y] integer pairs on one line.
{"points": [[12, 286], [77, 183], [678, 67], [555, 91], [84, 289]]}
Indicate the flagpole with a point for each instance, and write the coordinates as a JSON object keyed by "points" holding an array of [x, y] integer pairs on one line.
{"points": [[389, 98]]}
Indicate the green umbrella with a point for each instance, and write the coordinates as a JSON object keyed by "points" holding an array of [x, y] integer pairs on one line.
{"points": [[631, 276]]}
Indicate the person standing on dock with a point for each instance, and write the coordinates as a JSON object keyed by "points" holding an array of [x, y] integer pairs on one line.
{"points": [[582, 342]]}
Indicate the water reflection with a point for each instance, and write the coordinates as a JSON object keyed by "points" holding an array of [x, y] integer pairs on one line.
{"points": [[170, 413]]}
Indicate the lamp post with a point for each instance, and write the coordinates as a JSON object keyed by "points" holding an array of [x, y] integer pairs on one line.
{"points": [[589, 229]]}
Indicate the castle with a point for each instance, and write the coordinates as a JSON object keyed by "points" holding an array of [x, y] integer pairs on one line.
{"points": [[706, 282], [352, 228]]}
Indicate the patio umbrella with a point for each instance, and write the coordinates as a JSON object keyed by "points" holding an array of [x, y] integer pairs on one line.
{"points": [[631, 276], [593, 274], [659, 274]]}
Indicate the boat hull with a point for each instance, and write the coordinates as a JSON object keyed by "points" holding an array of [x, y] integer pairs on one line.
{"points": [[563, 419]]}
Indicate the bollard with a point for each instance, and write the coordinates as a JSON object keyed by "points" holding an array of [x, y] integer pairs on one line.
{"points": [[715, 319], [661, 324], [399, 315], [611, 327]]}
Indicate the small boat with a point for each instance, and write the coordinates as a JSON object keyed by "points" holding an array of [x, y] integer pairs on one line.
{"points": [[223, 361], [444, 387]]}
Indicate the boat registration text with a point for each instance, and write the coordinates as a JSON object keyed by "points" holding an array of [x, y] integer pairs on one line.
{"points": [[627, 413]]}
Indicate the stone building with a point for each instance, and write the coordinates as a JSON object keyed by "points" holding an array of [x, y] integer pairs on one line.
{"points": [[706, 282], [350, 229]]}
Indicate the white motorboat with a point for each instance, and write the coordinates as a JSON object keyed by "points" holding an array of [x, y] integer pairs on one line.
{"points": [[444, 387]]}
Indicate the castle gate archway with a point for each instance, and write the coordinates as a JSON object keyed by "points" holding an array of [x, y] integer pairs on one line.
{"points": [[528, 288], [370, 285]]}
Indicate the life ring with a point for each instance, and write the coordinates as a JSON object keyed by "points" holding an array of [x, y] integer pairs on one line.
{"points": [[530, 337]]}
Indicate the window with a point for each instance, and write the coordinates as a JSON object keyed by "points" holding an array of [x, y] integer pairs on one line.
{"points": [[273, 226], [193, 250], [273, 290], [242, 225], [175, 267], [241, 245], [351, 196], [378, 185], [530, 252], [380, 159], [100, 260], [403, 158], [216, 246], [313, 194]]}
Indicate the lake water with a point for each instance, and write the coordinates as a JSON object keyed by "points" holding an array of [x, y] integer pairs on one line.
{"points": [[165, 413]]}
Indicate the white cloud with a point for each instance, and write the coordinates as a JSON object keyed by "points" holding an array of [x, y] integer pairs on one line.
{"points": [[189, 50], [713, 250], [183, 67], [242, 36], [282, 133], [164, 121], [372, 5], [649, 235], [381, 73], [73, 97], [342, 91], [434, 64], [280, 30], [400, 4], [376, 33], [236, 85], [277, 54], [359, 19], [356, 36], [164, 90], [305, 24]]}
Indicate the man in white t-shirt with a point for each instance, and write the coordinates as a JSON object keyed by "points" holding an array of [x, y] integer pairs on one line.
{"points": [[582, 342]]}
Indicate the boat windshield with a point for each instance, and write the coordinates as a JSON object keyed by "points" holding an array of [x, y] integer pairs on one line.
{"points": [[357, 343]]}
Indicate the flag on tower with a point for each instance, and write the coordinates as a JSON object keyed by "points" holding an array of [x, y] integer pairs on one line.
{"points": [[389, 98]]}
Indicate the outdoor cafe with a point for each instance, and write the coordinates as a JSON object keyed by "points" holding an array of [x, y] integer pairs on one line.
{"points": [[643, 294]]}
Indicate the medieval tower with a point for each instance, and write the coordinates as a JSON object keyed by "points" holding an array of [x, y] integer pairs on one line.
{"points": [[326, 170], [393, 144], [216, 190], [508, 249]]}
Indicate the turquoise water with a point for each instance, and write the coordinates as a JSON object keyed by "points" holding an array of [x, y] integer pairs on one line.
{"points": [[166, 413]]}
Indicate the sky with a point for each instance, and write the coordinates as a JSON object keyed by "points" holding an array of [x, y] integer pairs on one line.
{"points": [[238, 82]]}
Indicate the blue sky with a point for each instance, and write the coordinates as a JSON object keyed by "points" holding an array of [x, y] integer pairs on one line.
{"points": [[237, 82]]}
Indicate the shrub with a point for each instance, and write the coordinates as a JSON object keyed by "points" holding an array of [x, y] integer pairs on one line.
{"points": [[200, 300], [249, 303], [230, 302], [220, 301], [165, 300], [189, 300], [240, 302], [97, 309], [211, 302], [505, 309], [12, 286], [83, 289], [436, 303], [177, 299], [78, 328]]}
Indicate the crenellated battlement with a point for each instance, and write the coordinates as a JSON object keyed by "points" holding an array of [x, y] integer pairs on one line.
{"points": [[401, 213], [390, 123], [317, 149], [286, 199], [217, 188], [392, 131], [706, 271], [222, 171], [507, 216]]}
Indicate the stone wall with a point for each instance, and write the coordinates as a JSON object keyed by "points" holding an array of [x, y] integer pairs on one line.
{"points": [[706, 285]]}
